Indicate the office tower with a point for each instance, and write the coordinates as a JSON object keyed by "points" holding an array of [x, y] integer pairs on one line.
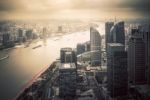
{"points": [[21, 35], [29, 34], [117, 33], [67, 55], [67, 80], [6, 38], [147, 51], [120, 75], [80, 48], [147, 55], [108, 38], [95, 40], [136, 58], [87, 46], [117, 70]]}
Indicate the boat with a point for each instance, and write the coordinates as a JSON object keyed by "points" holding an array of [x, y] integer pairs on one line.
{"points": [[37, 46], [26, 46], [7, 56]]}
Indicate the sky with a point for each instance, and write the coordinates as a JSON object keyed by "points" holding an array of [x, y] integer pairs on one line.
{"points": [[74, 9]]}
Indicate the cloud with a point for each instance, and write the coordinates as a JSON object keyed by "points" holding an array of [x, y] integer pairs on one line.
{"points": [[10, 5], [105, 8], [141, 7]]}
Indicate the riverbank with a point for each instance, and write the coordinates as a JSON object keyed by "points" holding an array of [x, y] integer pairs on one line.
{"points": [[38, 81]]}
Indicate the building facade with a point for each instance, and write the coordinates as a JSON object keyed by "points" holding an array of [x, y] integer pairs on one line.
{"points": [[67, 80], [80, 48], [87, 46], [120, 75], [108, 38], [67, 55], [95, 41], [136, 58], [147, 51], [116, 70], [117, 33]]}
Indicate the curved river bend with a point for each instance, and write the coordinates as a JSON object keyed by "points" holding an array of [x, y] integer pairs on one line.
{"points": [[24, 63]]}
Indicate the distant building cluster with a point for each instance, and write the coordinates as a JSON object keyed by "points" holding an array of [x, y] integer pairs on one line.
{"points": [[17, 32], [92, 48], [10, 35], [73, 83]]}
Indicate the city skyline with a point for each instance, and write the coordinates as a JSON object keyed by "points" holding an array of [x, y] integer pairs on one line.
{"points": [[75, 49], [102, 72]]}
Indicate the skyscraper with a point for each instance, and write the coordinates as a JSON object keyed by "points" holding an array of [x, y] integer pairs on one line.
{"points": [[117, 70], [95, 41], [108, 38], [87, 46], [80, 48], [136, 58], [21, 35], [6, 38], [147, 51], [67, 55], [120, 75], [117, 33], [67, 73], [29, 34], [67, 80]]}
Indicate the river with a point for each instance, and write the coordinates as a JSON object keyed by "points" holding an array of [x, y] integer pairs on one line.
{"points": [[24, 63]]}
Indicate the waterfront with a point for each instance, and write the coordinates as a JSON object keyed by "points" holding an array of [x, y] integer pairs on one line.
{"points": [[24, 63]]}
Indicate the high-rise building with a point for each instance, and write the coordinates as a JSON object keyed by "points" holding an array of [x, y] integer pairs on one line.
{"points": [[87, 46], [108, 38], [95, 40], [21, 35], [120, 75], [80, 48], [117, 70], [136, 58], [147, 51], [117, 33], [67, 55], [20, 32], [29, 34], [67, 80], [6, 38]]}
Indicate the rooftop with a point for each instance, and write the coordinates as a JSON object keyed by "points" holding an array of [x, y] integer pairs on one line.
{"points": [[66, 49], [117, 24], [67, 66], [115, 44]]}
